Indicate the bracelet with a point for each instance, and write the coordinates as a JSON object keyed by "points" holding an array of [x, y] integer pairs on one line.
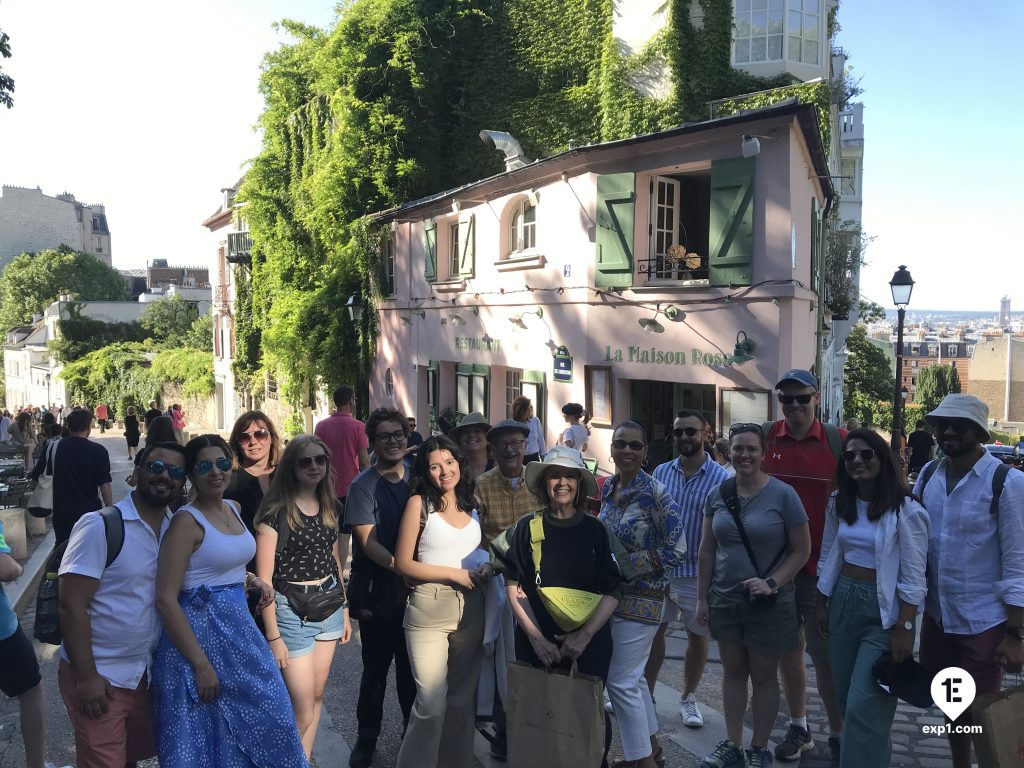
{"points": [[272, 639]]}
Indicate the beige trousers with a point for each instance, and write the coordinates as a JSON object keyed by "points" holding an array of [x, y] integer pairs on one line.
{"points": [[444, 630]]}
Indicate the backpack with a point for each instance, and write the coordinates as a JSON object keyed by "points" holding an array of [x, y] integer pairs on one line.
{"points": [[835, 443], [47, 625], [998, 481]]}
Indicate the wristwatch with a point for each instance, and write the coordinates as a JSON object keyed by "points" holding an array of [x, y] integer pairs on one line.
{"points": [[772, 585], [908, 625], [1017, 633]]}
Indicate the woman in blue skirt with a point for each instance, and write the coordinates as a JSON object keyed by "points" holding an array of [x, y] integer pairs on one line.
{"points": [[219, 700]]}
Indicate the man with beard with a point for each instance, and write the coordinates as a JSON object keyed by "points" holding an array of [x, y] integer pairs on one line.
{"points": [[502, 498], [109, 621], [688, 479], [974, 609], [376, 501]]}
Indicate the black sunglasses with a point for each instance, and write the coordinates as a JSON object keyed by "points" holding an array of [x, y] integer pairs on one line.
{"points": [[957, 425], [307, 461], [688, 431], [802, 399], [157, 467], [633, 445], [866, 454], [739, 429]]}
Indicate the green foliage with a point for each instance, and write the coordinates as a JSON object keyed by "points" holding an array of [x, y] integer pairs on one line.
{"points": [[6, 83], [31, 282], [867, 373], [844, 256], [200, 334], [78, 336], [169, 321], [191, 368], [934, 383], [819, 94], [869, 311]]}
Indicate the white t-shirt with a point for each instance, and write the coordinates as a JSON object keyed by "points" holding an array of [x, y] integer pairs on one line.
{"points": [[575, 436]]}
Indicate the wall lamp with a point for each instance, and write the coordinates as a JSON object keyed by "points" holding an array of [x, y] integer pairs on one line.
{"points": [[750, 144], [355, 309], [456, 206], [407, 319], [651, 324], [519, 320], [456, 318], [744, 351]]}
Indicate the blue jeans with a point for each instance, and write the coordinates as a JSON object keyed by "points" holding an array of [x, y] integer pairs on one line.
{"points": [[855, 642]]}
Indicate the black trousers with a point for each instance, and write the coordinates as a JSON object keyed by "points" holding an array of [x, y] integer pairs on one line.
{"points": [[383, 640]]}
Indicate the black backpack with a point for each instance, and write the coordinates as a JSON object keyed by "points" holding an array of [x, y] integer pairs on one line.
{"points": [[998, 481], [47, 625]]}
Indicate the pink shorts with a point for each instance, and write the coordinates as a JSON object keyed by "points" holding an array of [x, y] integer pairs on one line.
{"points": [[123, 735]]}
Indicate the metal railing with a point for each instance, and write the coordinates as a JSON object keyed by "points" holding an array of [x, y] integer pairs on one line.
{"points": [[239, 246], [685, 270]]}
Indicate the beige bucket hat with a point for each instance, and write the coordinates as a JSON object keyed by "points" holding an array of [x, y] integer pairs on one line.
{"points": [[561, 456]]}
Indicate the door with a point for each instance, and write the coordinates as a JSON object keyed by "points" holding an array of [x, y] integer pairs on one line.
{"points": [[651, 404]]}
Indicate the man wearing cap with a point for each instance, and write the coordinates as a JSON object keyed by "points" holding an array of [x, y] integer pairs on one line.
{"points": [[803, 452], [471, 436], [974, 609], [502, 499]]}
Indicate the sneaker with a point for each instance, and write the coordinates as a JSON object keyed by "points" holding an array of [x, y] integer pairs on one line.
{"points": [[690, 712], [835, 744], [759, 757], [608, 705], [362, 752], [726, 755], [499, 748], [797, 740]]}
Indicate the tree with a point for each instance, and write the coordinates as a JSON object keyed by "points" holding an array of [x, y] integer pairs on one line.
{"points": [[934, 383], [868, 375], [170, 320], [200, 334], [844, 256], [31, 282], [868, 311], [6, 83]]}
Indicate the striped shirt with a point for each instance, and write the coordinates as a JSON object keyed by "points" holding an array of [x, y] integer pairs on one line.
{"points": [[689, 495]]}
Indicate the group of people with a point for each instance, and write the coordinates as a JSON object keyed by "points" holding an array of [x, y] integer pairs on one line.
{"points": [[469, 552]]}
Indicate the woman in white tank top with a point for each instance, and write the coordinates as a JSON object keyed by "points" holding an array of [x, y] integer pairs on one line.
{"points": [[444, 619], [213, 674]]}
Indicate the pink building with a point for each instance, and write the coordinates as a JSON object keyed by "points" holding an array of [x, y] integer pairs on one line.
{"points": [[673, 270]]}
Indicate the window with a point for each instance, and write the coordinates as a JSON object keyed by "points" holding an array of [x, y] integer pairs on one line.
{"points": [[471, 388], [453, 249], [388, 247], [933, 350], [913, 363], [679, 226], [433, 374], [915, 349], [389, 383], [523, 227], [271, 387], [766, 29], [951, 350], [744, 405], [803, 31], [513, 388], [599, 394]]}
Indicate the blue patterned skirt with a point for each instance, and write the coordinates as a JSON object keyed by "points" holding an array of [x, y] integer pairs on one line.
{"points": [[251, 724]]}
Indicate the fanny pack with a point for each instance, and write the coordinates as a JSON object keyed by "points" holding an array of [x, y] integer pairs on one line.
{"points": [[313, 602], [570, 608]]}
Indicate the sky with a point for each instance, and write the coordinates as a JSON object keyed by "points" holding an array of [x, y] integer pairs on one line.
{"points": [[150, 109]]}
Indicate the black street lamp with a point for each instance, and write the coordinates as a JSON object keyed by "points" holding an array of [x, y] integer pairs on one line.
{"points": [[902, 285]]}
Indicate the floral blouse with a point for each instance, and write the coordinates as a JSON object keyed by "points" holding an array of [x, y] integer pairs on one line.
{"points": [[647, 522]]}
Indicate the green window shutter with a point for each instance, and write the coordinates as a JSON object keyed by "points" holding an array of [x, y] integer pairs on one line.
{"points": [[430, 251], [467, 246], [616, 214], [731, 230]]}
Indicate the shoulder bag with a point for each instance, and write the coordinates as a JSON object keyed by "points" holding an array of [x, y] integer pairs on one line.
{"points": [[40, 503]]}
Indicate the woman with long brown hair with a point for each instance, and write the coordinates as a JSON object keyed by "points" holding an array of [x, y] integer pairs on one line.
{"points": [[257, 449]]}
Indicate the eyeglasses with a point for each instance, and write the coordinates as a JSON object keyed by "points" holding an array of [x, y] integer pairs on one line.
{"points": [[633, 445], [517, 444], [866, 454], [205, 466], [157, 468], [802, 399], [260, 435], [739, 429], [688, 431], [391, 437], [307, 461]]}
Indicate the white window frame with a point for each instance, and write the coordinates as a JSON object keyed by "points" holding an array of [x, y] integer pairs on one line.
{"points": [[522, 234], [453, 249], [810, 32], [768, 31]]}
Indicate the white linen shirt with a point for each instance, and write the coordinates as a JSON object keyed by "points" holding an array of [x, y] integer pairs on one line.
{"points": [[975, 560], [124, 622], [901, 551]]}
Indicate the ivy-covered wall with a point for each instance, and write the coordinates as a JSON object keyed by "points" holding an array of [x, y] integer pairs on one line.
{"points": [[386, 107]]}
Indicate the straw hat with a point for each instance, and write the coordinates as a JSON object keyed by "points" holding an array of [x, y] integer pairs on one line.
{"points": [[474, 419], [560, 456]]}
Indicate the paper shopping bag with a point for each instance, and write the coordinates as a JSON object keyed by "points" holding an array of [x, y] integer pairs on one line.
{"points": [[1001, 717], [555, 719]]}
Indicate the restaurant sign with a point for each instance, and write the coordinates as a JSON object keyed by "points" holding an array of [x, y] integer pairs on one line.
{"points": [[486, 343], [655, 356]]}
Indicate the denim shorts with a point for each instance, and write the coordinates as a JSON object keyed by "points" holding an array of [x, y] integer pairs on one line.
{"points": [[300, 636]]}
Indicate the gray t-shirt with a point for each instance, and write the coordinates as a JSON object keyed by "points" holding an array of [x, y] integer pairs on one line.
{"points": [[766, 516]]}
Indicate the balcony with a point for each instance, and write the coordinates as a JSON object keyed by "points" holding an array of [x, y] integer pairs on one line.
{"points": [[686, 269], [239, 246]]}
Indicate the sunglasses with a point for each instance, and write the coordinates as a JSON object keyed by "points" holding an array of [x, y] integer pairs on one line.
{"points": [[739, 429], [688, 431], [391, 437], [802, 399], [308, 461], [157, 468], [633, 445], [205, 466], [866, 454], [957, 425], [260, 435]]}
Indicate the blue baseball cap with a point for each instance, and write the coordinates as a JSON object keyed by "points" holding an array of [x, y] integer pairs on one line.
{"points": [[800, 376]]}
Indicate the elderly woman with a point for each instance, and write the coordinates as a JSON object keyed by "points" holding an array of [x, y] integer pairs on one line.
{"points": [[754, 540], [567, 548], [644, 517], [471, 437]]}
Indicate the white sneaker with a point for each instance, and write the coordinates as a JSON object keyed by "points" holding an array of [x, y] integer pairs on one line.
{"points": [[690, 712], [608, 705]]}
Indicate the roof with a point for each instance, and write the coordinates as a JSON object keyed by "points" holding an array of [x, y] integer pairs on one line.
{"points": [[805, 115]]}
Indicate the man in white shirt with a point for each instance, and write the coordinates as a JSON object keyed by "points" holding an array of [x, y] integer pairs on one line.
{"points": [[109, 621], [974, 609]]}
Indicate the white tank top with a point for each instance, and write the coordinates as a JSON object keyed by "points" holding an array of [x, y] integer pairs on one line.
{"points": [[858, 540], [444, 544], [222, 557]]}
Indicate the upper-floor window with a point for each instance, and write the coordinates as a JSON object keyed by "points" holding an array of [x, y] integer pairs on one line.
{"points": [[523, 227], [770, 30], [951, 350], [388, 248], [453, 249], [449, 249], [933, 350]]}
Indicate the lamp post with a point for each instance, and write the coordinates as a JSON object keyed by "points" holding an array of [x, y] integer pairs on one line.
{"points": [[902, 284]]}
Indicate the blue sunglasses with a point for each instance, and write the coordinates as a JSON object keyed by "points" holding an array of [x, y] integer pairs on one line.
{"points": [[205, 466]]}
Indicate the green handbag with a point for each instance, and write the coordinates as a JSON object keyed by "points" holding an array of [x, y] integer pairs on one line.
{"points": [[570, 608]]}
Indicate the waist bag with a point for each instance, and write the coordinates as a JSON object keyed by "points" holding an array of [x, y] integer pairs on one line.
{"points": [[570, 608]]}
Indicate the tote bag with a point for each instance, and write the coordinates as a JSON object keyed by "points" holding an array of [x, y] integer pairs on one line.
{"points": [[40, 503]]}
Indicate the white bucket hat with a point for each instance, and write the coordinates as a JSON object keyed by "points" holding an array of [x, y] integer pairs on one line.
{"points": [[561, 456], [962, 407]]}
